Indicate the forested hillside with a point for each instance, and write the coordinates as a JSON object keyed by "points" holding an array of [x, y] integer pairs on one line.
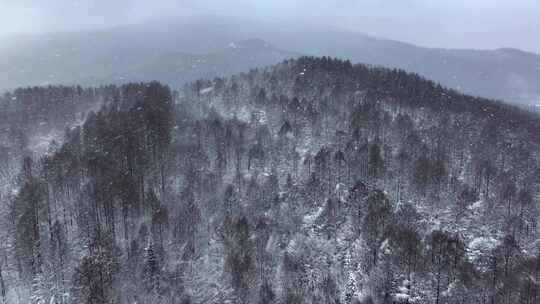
{"points": [[313, 181]]}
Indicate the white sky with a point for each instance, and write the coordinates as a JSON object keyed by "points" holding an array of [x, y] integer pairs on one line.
{"points": [[438, 23]]}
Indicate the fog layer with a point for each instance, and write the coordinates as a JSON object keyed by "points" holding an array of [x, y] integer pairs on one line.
{"points": [[444, 23]]}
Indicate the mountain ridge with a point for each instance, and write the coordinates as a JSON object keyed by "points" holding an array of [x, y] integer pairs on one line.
{"points": [[500, 74]]}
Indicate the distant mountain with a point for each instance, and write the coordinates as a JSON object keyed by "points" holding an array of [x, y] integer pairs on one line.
{"points": [[178, 68], [135, 50], [53, 61]]}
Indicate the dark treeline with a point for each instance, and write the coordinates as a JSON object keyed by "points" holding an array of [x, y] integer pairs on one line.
{"points": [[314, 181], [31, 107], [28, 113], [34, 119]]}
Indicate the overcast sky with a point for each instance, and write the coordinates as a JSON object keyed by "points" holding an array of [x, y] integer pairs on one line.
{"points": [[436, 23]]}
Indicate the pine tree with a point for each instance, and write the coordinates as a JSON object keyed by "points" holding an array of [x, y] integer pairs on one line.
{"points": [[152, 276]]}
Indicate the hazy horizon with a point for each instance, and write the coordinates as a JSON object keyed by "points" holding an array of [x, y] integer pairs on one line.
{"points": [[461, 24]]}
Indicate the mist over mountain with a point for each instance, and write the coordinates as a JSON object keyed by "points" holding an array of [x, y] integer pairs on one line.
{"points": [[131, 52], [177, 68]]}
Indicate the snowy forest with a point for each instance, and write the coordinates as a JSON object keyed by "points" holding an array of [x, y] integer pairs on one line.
{"points": [[312, 181]]}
